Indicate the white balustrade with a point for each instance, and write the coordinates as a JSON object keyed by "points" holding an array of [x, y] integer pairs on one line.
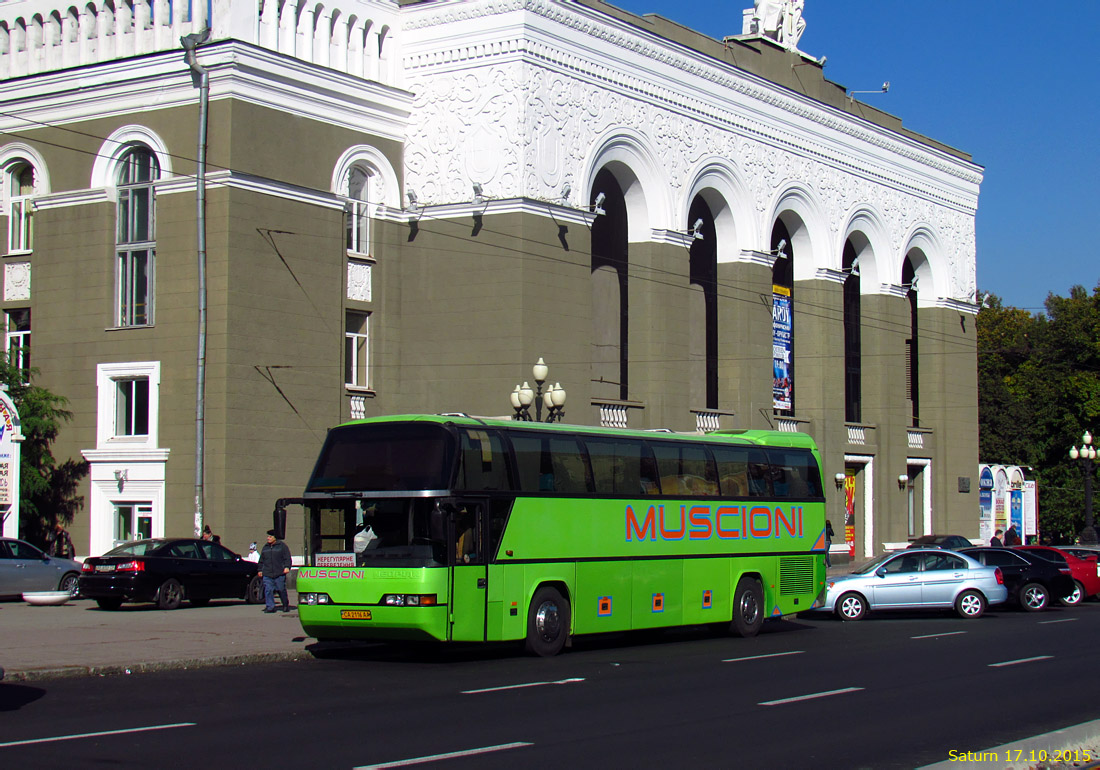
{"points": [[351, 36]]}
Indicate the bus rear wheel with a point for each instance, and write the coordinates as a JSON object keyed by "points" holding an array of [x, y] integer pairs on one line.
{"points": [[547, 622], [748, 607]]}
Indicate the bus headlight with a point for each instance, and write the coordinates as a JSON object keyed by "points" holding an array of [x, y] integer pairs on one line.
{"points": [[310, 598], [409, 600]]}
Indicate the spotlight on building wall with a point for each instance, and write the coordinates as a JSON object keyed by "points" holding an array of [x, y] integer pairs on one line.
{"points": [[781, 249], [854, 269], [566, 191], [597, 207], [479, 193], [697, 230], [411, 195], [903, 481]]}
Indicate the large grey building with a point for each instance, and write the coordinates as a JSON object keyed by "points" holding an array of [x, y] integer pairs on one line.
{"points": [[407, 204]]}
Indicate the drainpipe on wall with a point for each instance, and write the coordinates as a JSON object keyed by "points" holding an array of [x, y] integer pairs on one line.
{"points": [[190, 43]]}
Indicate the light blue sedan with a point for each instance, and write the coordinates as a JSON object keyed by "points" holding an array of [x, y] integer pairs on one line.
{"points": [[23, 568], [916, 579]]}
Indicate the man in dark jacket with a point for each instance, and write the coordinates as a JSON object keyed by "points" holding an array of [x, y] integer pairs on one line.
{"points": [[1011, 536], [274, 567]]}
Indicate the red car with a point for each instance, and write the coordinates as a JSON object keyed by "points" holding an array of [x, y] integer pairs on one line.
{"points": [[1084, 571]]}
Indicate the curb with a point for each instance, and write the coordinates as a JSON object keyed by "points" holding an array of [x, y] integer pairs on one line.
{"points": [[72, 672]]}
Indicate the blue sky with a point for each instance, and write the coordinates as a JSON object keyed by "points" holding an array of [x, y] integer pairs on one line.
{"points": [[1007, 82]]}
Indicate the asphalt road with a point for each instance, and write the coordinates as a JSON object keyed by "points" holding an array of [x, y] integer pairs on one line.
{"points": [[894, 691]]}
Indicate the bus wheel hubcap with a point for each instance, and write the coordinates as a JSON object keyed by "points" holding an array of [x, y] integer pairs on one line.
{"points": [[749, 608], [548, 621]]}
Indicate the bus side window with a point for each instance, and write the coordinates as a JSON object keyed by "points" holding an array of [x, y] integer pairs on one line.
{"points": [[482, 463]]}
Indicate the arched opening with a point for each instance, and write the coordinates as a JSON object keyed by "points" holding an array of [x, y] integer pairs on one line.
{"points": [[610, 296], [783, 393], [912, 343], [703, 305], [853, 355]]}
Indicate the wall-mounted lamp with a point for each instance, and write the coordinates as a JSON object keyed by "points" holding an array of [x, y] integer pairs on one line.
{"points": [[854, 269], [411, 195], [479, 193], [121, 477], [903, 481], [912, 285], [566, 190], [780, 251], [697, 230], [597, 207], [839, 479]]}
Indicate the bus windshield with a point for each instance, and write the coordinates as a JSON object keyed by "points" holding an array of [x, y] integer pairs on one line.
{"points": [[384, 457], [380, 532]]}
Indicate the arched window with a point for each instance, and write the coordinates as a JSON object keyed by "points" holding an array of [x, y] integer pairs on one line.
{"points": [[20, 191], [703, 310], [138, 171], [358, 209], [853, 354], [912, 347], [610, 296]]}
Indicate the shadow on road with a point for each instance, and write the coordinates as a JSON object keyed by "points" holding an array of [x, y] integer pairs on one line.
{"points": [[15, 696]]}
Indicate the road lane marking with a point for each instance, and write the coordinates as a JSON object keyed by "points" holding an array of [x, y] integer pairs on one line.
{"points": [[521, 686], [1062, 620], [797, 698], [1020, 660], [96, 735], [759, 657], [449, 755], [933, 636]]}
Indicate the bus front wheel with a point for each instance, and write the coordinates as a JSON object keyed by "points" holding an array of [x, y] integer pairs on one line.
{"points": [[547, 622], [748, 607]]}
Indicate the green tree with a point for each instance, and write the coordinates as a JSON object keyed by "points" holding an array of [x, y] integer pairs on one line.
{"points": [[47, 489], [1038, 391]]}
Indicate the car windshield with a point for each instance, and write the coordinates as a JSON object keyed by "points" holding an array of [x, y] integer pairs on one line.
{"points": [[137, 548], [873, 565]]}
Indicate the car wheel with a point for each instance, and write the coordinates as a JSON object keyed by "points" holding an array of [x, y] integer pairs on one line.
{"points": [[547, 622], [1074, 598], [748, 607], [70, 584], [169, 595], [109, 604], [1034, 597], [970, 604], [254, 593], [851, 606]]}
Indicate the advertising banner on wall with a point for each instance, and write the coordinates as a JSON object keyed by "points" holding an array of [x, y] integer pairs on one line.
{"points": [[782, 326], [985, 503], [10, 436], [850, 511]]}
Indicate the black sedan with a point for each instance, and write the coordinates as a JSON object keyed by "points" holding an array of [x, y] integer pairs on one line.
{"points": [[950, 542], [168, 571], [1030, 580]]}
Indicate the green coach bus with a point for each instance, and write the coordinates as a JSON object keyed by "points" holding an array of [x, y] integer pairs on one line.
{"points": [[454, 528]]}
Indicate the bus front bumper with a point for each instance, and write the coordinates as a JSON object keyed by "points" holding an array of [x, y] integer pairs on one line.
{"points": [[374, 623]]}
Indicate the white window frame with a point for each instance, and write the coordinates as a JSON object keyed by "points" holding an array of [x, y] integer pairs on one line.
{"points": [[357, 353], [18, 344], [129, 249], [140, 509], [108, 379], [20, 229]]}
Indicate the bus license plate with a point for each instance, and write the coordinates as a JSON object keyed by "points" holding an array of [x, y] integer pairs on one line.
{"points": [[355, 614]]}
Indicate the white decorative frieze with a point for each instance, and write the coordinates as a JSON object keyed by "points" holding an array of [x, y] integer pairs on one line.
{"points": [[17, 281], [359, 280]]}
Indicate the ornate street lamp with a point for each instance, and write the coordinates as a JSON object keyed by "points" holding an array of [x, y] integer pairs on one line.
{"points": [[524, 395], [1086, 456]]}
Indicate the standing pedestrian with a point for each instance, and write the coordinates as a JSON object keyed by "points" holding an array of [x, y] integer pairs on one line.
{"points": [[275, 565], [1012, 537], [996, 541], [59, 543], [828, 542]]}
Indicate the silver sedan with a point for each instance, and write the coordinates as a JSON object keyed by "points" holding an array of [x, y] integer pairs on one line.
{"points": [[916, 579], [24, 568]]}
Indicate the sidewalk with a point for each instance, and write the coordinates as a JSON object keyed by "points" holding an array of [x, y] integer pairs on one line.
{"points": [[79, 639]]}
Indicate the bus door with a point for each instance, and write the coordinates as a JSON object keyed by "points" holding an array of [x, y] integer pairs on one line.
{"points": [[469, 570]]}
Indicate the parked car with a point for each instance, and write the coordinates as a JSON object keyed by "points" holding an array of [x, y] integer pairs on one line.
{"points": [[1085, 552], [24, 568], [1030, 579], [951, 542], [1085, 574], [168, 571], [917, 579]]}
